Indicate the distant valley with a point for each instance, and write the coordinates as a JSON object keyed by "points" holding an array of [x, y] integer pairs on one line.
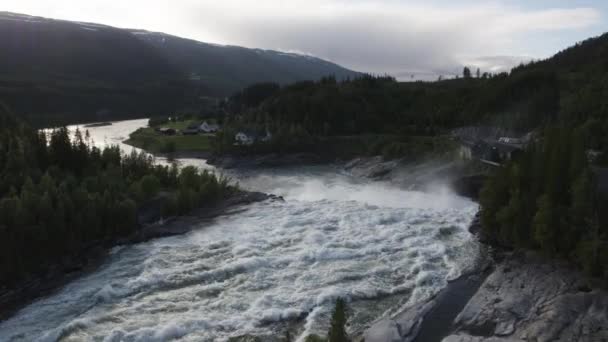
{"points": [[62, 71]]}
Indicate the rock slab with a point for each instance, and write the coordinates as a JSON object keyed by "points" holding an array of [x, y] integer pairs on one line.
{"points": [[527, 298]]}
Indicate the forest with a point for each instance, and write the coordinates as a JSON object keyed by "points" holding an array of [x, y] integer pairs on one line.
{"points": [[60, 195], [387, 117], [549, 199]]}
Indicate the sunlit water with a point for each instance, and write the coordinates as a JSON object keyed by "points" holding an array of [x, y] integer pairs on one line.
{"points": [[271, 266]]}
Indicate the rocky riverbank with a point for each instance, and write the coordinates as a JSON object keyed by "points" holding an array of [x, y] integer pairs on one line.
{"points": [[514, 296], [528, 298], [464, 178], [234, 161], [511, 296], [431, 320], [92, 256], [522, 297]]}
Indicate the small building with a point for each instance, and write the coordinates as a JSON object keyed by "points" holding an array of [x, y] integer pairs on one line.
{"points": [[491, 152], [206, 127], [504, 152], [167, 131], [250, 137], [244, 139]]}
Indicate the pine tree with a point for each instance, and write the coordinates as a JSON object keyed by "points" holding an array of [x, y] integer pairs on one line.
{"points": [[544, 225], [337, 330], [150, 186]]}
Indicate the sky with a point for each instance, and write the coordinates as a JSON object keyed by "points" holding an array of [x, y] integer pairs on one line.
{"points": [[424, 38]]}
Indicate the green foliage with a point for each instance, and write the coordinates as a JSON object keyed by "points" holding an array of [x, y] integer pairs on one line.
{"points": [[300, 116], [314, 338], [168, 147], [154, 142], [61, 197], [158, 121], [549, 199], [337, 330], [150, 186], [253, 95]]}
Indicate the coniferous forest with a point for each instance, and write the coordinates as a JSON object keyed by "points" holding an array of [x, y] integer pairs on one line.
{"points": [[60, 195], [549, 199]]}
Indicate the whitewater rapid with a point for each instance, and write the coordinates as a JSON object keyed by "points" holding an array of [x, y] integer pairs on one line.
{"points": [[269, 267]]}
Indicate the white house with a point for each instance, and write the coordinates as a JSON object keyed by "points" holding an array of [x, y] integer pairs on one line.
{"points": [[243, 138], [250, 137], [206, 127]]}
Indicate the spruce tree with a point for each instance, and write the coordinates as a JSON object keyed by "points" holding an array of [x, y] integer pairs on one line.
{"points": [[337, 330], [466, 72]]}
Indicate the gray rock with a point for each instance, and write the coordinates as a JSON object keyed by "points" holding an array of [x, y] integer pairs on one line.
{"points": [[403, 327], [234, 161], [372, 167], [468, 338], [527, 298]]}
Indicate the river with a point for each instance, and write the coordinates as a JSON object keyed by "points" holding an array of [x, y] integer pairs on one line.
{"points": [[266, 268]]}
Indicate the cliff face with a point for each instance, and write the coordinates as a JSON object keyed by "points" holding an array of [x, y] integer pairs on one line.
{"points": [[524, 298], [529, 299]]}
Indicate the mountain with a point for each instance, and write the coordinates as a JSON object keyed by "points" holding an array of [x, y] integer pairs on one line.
{"points": [[56, 70], [231, 68]]}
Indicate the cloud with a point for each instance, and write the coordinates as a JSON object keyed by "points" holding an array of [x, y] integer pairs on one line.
{"points": [[382, 36], [387, 36]]}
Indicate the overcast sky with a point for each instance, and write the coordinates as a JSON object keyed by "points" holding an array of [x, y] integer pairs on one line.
{"points": [[398, 37]]}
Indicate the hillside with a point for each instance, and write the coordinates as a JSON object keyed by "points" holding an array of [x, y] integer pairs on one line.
{"points": [[231, 68], [59, 70]]}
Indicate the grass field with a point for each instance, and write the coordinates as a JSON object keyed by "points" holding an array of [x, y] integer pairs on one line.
{"points": [[152, 141], [181, 125]]}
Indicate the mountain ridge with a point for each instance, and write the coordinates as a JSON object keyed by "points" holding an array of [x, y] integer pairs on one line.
{"points": [[70, 71]]}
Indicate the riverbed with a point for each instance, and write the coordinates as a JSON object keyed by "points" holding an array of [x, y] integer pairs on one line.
{"points": [[269, 267]]}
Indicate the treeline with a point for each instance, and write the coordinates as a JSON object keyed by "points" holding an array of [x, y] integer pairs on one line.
{"points": [[370, 104], [54, 103], [570, 87], [298, 115], [549, 199], [60, 195]]}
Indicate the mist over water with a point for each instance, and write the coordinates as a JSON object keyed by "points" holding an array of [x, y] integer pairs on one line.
{"points": [[270, 266]]}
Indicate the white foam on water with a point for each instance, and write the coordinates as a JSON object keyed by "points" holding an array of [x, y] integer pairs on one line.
{"points": [[375, 245]]}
